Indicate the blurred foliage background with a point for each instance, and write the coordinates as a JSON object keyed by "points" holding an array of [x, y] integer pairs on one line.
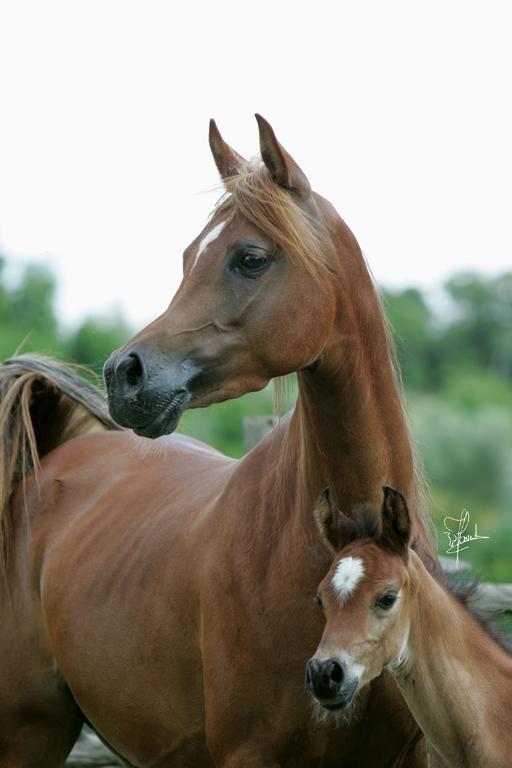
{"points": [[456, 359]]}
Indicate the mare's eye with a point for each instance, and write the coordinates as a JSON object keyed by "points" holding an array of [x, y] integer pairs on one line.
{"points": [[318, 601], [253, 262], [386, 601]]}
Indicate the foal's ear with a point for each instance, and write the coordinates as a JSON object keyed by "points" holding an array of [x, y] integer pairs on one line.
{"points": [[396, 522], [228, 162], [335, 528], [283, 168]]}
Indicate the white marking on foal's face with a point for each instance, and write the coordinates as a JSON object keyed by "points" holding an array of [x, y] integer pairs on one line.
{"points": [[207, 239], [353, 668], [348, 574]]}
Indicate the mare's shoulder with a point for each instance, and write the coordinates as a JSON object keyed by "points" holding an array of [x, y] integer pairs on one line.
{"points": [[117, 449]]}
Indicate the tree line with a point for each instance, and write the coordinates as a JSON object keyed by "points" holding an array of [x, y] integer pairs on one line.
{"points": [[455, 350], [463, 350], [29, 322]]}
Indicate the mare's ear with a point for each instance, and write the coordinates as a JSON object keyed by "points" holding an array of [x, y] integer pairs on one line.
{"points": [[335, 528], [283, 168], [228, 162], [396, 522]]}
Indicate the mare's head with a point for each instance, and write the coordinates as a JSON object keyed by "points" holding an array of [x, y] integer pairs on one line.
{"points": [[365, 598], [257, 299]]}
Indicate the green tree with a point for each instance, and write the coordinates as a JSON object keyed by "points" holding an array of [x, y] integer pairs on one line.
{"points": [[96, 338], [480, 334], [28, 322], [416, 338], [27, 312]]}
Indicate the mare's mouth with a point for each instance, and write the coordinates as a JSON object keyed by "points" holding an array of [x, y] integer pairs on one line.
{"points": [[166, 420]]}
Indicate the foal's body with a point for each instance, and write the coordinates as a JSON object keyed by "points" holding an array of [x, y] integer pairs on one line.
{"points": [[456, 680], [385, 611], [168, 586]]}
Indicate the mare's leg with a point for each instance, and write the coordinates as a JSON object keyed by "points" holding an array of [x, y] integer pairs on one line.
{"points": [[38, 734], [39, 719], [246, 759]]}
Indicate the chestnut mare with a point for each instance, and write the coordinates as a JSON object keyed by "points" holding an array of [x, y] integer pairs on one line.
{"points": [[384, 610], [162, 590]]}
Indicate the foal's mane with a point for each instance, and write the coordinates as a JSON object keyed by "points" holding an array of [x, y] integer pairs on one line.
{"points": [[464, 589], [306, 241]]}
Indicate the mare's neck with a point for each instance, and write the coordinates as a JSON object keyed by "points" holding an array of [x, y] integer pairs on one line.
{"points": [[348, 429], [456, 680]]}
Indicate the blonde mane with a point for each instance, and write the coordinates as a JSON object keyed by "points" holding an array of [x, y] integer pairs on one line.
{"points": [[274, 211]]}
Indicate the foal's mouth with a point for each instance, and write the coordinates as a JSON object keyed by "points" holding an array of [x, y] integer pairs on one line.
{"points": [[335, 706], [165, 420], [343, 699]]}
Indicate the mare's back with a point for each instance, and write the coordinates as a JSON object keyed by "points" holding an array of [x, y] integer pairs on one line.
{"points": [[109, 481]]}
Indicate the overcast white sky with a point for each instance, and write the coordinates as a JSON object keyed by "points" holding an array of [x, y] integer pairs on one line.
{"points": [[399, 113]]}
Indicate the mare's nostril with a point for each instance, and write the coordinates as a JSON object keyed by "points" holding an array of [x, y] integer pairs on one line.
{"points": [[134, 371], [130, 371]]}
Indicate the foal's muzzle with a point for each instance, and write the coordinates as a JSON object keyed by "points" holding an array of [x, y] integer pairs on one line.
{"points": [[330, 683], [145, 392]]}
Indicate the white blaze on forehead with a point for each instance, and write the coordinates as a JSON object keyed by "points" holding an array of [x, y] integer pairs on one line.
{"points": [[207, 239], [348, 574]]}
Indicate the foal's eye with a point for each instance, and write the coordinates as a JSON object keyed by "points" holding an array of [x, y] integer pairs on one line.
{"points": [[318, 601], [252, 262], [386, 601]]}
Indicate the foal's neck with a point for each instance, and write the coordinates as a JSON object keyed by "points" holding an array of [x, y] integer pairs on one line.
{"points": [[456, 680]]}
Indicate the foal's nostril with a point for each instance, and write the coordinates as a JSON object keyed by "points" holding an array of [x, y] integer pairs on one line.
{"points": [[130, 371], [311, 669], [335, 672], [325, 678]]}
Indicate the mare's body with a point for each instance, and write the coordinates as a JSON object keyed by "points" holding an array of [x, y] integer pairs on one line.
{"points": [[165, 589]]}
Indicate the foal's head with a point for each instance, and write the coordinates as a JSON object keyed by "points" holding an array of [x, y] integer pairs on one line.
{"points": [[365, 598], [257, 298]]}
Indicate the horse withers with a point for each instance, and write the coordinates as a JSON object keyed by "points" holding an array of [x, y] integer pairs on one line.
{"points": [[385, 611]]}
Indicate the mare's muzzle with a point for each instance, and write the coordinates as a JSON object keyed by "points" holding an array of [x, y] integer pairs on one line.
{"points": [[146, 392], [330, 683]]}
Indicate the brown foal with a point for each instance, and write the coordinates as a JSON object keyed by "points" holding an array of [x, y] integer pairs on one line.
{"points": [[160, 589], [384, 610]]}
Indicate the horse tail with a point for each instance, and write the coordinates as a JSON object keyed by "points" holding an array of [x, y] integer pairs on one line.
{"points": [[43, 403]]}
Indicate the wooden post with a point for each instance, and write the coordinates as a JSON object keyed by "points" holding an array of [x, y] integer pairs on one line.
{"points": [[255, 429]]}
